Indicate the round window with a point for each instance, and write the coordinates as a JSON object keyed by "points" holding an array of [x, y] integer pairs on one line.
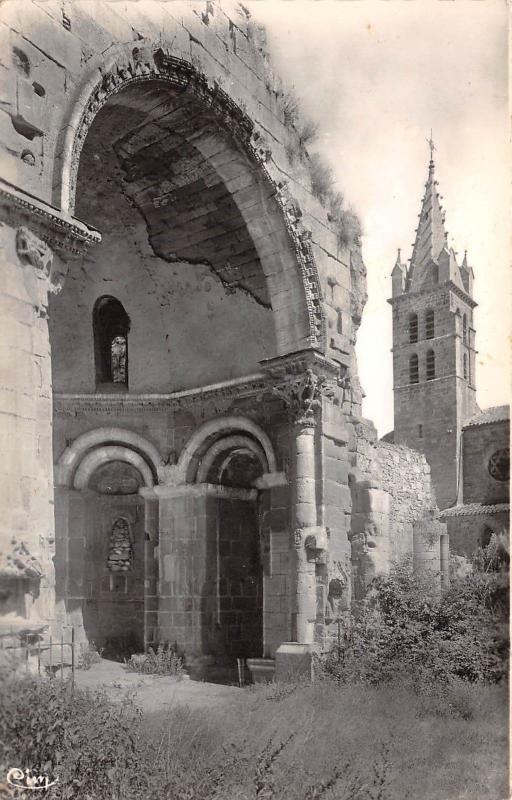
{"points": [[499, 464]]}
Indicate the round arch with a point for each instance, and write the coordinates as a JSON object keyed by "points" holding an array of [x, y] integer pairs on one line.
{"points": [[103, 455], [239, 444], [101, 438], [201, 441], [282, 244]]}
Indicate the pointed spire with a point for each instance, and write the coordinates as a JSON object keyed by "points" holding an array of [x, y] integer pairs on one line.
{"points": [[465, 259], [398, 275], [431, 236]]}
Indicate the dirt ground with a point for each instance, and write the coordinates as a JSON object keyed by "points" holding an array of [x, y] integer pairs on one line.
{"points": [[153, 692]]}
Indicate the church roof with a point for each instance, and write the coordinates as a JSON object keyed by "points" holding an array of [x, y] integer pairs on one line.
{"points": [[431, 237], [490, 415], [474, 509]]}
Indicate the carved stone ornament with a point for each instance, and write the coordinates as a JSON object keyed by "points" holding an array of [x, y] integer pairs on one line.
{"points": [[303, 395], [33, 251], [47, 272]]}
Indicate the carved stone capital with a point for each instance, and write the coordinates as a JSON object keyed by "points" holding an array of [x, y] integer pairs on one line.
{"points": [[303, 394], [302, 379]]}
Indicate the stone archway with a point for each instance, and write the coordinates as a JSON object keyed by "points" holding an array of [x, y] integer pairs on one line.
{"points": [[282, 245]]}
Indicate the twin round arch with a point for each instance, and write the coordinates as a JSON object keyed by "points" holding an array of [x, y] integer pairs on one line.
{"points": [[229, 434]]}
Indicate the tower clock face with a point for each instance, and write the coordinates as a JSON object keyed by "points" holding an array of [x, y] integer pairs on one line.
{"points": [[499, 465]]}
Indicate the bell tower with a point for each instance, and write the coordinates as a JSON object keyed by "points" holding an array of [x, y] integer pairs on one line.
{"points": [[433, 346]]}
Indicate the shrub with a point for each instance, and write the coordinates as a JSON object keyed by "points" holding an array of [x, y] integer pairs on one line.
{"points": [[162, 661], [406, 627], [78, 736], [87, 656], [321, 177]]}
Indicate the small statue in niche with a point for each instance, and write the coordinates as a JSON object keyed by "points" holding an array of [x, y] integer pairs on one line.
{"points": [[120, 551], [118, 359]]}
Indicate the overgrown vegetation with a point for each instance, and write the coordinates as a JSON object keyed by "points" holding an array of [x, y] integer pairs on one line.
{"points": [[407, 628], [87, 656], [162, 661], [413, 703], [321, 176], [314, 741]]}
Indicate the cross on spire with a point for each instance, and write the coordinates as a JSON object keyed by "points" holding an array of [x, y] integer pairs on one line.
{"points": [[431, 145]]}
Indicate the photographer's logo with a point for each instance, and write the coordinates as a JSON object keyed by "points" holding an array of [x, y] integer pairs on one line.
{"points": [[25, 779]]}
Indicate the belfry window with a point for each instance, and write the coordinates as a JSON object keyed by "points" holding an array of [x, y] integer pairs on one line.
{"points": [[111, 325], [429, 325], [413, 328], [414, 373], [431, 365], [464, 328], [465, 366]]}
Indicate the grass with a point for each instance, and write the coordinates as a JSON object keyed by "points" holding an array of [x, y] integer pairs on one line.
{"points": [[376, 743], [274, 742]]}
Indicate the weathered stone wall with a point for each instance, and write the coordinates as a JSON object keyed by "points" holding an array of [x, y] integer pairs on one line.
{"points": [[479, 443], [186, 330], [405, 475], [393, 510]]}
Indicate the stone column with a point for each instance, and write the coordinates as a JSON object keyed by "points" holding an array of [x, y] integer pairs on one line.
{"points": [[303, 396]]}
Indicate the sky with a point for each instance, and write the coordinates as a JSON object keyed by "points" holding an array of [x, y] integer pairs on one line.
{"points": [[377, 76]]}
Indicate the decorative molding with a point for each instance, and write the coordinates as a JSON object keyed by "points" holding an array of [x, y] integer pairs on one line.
{"points": [[250, 386], [63, 234], [183, 76]]}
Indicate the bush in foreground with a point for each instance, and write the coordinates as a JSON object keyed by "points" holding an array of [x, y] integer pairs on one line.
{"points": [[406, 627]]}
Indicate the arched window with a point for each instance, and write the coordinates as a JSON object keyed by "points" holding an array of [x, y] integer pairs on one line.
{"points": [[431, 365], [429, 324], [111, 325], [464, 328], [414, 374], [435, 273], [465, 366], [413, 328]]}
